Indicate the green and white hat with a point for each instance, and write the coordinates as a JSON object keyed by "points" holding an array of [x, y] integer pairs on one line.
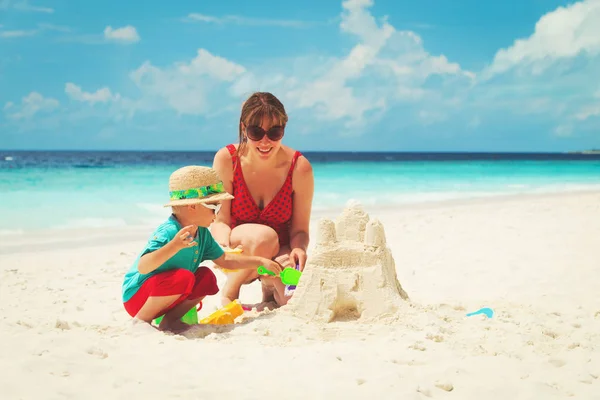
{"points": [[196, 184]]}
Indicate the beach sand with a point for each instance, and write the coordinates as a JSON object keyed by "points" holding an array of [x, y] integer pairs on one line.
{"points": [[534, 259]]}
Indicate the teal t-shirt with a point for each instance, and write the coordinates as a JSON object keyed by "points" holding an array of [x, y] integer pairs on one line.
{"points": [[187, 258]]}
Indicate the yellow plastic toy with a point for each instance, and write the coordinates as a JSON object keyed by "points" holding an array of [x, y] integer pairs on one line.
{"points": [[225, 315]]}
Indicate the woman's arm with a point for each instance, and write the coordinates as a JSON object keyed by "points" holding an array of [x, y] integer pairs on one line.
{"points": [[220, 229], [303, 186]]}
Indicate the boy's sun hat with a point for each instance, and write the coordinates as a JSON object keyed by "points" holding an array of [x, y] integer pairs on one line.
{"points": [[195, 184]]}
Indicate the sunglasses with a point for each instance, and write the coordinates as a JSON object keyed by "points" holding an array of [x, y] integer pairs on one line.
{"points": [[256, 133], [214, 207]]}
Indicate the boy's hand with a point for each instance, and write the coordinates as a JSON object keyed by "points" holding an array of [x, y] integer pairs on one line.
{"points": [[184, 238], [272, 266]]}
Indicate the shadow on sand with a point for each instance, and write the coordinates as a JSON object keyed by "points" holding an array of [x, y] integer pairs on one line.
{"points": [[201, 331]]}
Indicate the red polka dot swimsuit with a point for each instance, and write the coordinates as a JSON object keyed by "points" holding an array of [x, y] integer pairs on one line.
{"points": [[277, 214]]}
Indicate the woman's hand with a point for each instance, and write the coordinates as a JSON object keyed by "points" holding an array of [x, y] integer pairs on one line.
{"points": [[298, 257]]}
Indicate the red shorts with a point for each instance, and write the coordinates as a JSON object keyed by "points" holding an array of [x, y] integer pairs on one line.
{"points": [[177, 281]]}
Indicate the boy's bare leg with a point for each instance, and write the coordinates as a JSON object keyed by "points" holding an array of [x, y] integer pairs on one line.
{"points": [[257, 240], [154, 305], [172, 319]]}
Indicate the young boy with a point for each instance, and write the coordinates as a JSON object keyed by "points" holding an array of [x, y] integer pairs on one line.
{"points": [[166, 278]]}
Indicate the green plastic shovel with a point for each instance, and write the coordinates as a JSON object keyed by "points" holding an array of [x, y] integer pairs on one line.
{"points": [[289, 276], [190, 318]]}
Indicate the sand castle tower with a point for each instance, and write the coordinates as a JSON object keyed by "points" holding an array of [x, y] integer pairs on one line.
{"points": [[350, 273]]}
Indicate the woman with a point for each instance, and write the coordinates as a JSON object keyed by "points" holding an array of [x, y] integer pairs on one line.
{"points": [[273, 187]]}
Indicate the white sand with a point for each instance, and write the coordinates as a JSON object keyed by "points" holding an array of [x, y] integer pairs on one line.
{"points": [[534, 260]]}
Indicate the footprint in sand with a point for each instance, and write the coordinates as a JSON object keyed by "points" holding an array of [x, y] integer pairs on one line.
{"points": [[550, 333], [435, 338], [62, 325], [96, 351], [25, 324], [447, 386], [424, 391], [557, 363], [417, 346]]}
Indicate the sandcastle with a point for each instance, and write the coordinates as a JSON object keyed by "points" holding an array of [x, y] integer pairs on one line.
{"points": [[350, 274]]}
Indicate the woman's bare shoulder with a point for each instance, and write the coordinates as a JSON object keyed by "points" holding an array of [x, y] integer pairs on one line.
{"points": [[222, 159], [224, 153], [303, 166]]}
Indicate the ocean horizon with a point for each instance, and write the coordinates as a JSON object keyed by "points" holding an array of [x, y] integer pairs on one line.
{"points": [[63, 189]]}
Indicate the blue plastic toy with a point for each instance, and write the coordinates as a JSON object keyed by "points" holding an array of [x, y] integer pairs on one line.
{"points": [[486, 310]]}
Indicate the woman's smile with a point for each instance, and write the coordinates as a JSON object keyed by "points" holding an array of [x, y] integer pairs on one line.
{"points": [[264, 150]]}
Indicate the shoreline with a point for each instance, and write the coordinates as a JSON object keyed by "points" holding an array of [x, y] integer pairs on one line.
{"points": [[64, 238]]}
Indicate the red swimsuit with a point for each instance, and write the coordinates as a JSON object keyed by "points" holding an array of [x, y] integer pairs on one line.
{"points": [[277, 214]]}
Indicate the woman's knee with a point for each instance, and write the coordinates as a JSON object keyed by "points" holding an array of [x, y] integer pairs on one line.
{"points": [[258, 240]]}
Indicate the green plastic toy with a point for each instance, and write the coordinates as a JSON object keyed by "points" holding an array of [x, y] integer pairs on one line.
{"points": [[289, 276], [190, 318]]}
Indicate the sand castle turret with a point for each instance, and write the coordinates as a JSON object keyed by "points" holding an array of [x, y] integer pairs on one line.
{"points": [[350, 274]]}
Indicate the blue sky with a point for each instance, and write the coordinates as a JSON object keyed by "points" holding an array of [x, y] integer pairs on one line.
{"points": [[354, 75]]}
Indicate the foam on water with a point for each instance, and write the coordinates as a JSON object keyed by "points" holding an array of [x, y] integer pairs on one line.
{"points": [[52, 191]]}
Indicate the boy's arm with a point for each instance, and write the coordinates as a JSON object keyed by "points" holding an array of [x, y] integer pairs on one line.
{"points": [[240, 261], [154, 259], [151, 261]]}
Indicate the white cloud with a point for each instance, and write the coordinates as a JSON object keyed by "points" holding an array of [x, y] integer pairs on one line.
{"points": [[591, 110], [563, 33], [16, 34], [102, 95], [549, 72], [385, 66], [24, 5], [21, 33], [240, 20], [185, 86], [52, 27], [563, 130], [126, 34], [431, 117], [474, 122], [30, 105], [386, 69], [395, 63]]}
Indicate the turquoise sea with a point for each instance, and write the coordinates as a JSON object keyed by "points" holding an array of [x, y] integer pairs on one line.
{"points": [[69, 189]]}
